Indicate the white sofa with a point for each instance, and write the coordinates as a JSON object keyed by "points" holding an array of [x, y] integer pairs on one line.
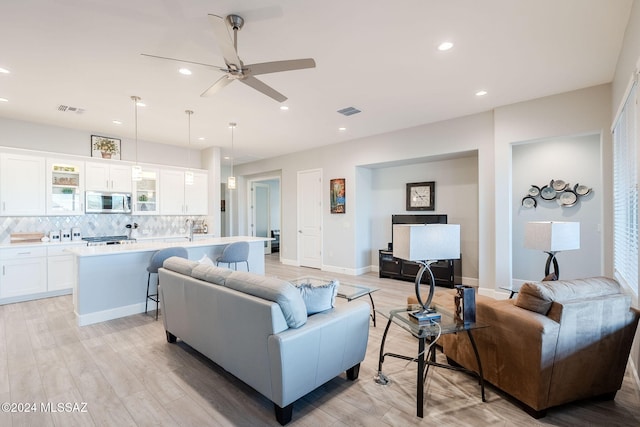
{"points": [[257, 329]]}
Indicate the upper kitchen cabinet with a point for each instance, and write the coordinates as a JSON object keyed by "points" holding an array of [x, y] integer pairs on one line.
{"points": [[180, 196], [65, 187], [145, 193], [22, 185], [108, 177]]}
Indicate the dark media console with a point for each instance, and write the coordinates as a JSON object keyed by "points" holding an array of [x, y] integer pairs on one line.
{"points": [[446, 272]]}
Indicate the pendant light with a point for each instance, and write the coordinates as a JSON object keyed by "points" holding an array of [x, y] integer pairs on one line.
{"points": [[188, 175], [231, 180], [136, 170]]}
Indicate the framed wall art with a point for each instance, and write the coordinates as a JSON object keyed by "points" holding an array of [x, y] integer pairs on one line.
{"points": [[421, 196], [337, 192], [105, 147]]}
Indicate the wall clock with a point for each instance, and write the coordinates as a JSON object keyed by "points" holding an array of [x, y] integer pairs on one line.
{"points": [[421, 196]]}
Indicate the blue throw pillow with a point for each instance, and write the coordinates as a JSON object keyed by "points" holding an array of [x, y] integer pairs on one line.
{"points": [[319, 298]]}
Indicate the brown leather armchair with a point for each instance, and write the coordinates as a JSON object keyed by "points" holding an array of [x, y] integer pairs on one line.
{"points": [[556, 343]]}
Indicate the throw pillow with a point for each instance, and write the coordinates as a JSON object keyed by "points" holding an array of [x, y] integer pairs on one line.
{"points": [[536, 297], [319, 298], [205, 260]]}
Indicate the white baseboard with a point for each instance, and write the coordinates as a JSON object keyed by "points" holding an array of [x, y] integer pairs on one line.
{"points": [[114, 313], [39, 295]]}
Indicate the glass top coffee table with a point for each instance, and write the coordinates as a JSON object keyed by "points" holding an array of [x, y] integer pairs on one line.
{"points": [[429, 331], [348, 291]]}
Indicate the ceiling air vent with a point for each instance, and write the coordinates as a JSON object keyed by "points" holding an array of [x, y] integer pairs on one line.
{"points": [[67, 109], [349, 111]]}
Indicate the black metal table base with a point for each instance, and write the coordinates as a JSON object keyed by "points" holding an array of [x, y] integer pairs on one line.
{"points": [[425, 363]]}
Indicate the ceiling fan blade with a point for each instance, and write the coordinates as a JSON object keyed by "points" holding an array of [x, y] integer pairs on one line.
{"points": [[219, 84], [224, 40], [262, 87], [182, 60], [277, 66]]}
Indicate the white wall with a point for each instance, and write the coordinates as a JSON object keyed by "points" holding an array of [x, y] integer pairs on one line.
{"points": [[574, 160], [54, 139], [346, 247], [456, 195], [580, 112]]}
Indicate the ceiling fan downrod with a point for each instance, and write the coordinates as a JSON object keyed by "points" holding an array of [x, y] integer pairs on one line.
{"points": [[235, 22]]}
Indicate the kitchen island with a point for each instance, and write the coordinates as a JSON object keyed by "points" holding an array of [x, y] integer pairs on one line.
{"points": [[111, 280]]}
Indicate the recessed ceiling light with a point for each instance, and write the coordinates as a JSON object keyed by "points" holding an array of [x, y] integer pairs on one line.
{"points": [[116, 122], [284, 107], [227, 158], [4, 100], [202, 138], [342, 129], [4, 71], [185, 71], [481, 93], [445, 46]]}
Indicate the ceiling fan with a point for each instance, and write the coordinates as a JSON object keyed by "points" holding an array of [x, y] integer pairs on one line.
{"points": [[235, 69]]}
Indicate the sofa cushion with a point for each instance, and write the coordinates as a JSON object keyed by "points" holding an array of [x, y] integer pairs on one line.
{"points": [[319, 298], [180, 265], [211, 273], [538, 297], [272, 289]]}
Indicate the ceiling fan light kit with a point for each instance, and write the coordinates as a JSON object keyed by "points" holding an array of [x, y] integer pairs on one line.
{"points": [[234, 68]]}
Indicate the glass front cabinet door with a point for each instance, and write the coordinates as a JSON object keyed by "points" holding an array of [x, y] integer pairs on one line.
{"points": [[146, 193], [65, 187]]}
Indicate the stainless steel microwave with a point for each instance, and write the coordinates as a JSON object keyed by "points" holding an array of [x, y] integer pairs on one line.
{"points": [[105, 202]]}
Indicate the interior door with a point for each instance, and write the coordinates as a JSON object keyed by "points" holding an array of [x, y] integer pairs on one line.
{"points": [[310, 218], [260, 212]]}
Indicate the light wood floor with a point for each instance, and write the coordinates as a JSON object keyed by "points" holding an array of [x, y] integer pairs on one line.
{"points": [[128, 375]]}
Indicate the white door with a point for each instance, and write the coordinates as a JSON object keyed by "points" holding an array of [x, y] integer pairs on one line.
{"points": [[310, 218], [260, 212]]}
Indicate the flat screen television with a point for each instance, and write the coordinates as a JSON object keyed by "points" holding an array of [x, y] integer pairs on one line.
{"points": [[416, 219]]}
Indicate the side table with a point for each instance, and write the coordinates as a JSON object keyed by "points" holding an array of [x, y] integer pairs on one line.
{"points": [[448, 324]]}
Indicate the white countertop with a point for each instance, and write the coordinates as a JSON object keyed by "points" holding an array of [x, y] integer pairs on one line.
{"points": [[83, 251]]}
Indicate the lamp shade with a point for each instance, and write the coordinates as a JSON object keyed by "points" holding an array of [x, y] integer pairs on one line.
{"points": [[426, 242], [552, 236]]}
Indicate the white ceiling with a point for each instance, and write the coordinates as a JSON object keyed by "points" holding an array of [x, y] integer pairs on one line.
{"points": [[379, 56]]}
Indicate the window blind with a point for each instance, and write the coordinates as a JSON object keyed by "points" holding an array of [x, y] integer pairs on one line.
{"points": [[625, 193]]}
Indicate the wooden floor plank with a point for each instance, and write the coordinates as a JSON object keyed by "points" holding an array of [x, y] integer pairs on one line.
{"points": [[130, 376]]}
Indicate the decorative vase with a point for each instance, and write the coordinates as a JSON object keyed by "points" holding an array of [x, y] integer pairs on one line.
{"points": [[106, 155]]}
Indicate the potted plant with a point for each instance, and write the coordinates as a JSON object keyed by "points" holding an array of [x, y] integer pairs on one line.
{"points": [[106, 146]]}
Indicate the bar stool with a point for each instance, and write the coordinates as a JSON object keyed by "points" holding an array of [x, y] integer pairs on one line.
{"points": [[154, 264], [235, 253]]}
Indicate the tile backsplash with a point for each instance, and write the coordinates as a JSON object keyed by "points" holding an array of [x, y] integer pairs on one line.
{"points": [[96, 225]]}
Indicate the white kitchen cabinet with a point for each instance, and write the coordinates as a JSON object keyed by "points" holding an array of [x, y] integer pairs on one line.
{"points": [[108, 177], [179, 198], [196, 198], [22, 185], [65, 187], [145, 193], [23, 271], [61, 271]]}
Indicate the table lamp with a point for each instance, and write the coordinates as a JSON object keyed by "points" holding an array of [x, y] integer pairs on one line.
{"points": [[425, 244], [552, 237]]}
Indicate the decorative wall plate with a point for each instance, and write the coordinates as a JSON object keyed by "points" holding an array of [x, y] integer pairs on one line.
{"points": [[581, 190], [558, 184], [529, 202], [568, 198], [548, 193], [534, 191]]}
